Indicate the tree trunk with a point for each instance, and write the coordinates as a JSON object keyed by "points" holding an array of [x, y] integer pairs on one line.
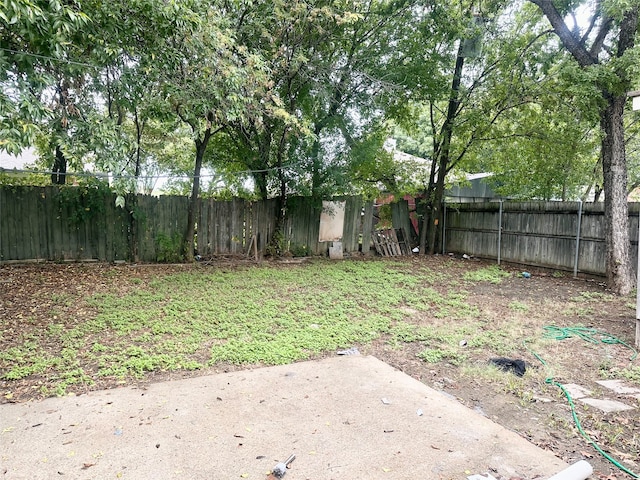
{"points": [[443, 153], [264, 153], [316, 176], [132, 202], [131, 206], [427, 202], [187, 252], [620, 276], [436, 208], [614, 166], [59, 170]]}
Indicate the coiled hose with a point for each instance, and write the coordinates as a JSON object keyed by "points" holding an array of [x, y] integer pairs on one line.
{"points": [[590, 335]]}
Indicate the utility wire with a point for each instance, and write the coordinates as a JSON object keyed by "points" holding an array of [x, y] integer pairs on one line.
{"points": [[140, 177], [46, 57]]}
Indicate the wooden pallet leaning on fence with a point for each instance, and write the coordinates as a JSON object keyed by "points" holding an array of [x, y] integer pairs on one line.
{"points": [[390, 242]]}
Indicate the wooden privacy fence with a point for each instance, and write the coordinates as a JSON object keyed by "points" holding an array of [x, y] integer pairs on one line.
{"points": [[559, 235], [231, 227], [50, 223], [39, 223], [83, 223]]}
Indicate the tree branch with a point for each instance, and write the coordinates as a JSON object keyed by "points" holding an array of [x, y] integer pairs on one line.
{"points": [[571, 43], [598, 43], [592, 22], [628, 29]]}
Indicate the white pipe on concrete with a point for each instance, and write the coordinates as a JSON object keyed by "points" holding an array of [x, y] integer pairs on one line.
{"points": [[578, 471]]}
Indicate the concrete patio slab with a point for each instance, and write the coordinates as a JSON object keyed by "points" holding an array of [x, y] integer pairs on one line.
{"points": [[605, 405], [577, 391], [329, 413], [619, 387]]}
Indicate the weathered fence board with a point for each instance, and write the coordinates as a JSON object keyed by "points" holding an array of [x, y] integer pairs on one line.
{"points": [[352, 224], [367, 227], [262, 222], [37, 224], [401, 220], [541, 234]]}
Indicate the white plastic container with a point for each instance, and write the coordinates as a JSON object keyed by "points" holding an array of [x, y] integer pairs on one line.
{"points": [[578, 471]]}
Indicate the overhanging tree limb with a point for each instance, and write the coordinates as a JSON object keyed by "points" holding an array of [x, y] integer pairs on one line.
{"points": [[613, 91], [572, 44]]}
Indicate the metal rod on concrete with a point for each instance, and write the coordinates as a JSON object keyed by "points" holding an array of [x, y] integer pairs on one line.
{"points": [[499, 231], [575, 262]]}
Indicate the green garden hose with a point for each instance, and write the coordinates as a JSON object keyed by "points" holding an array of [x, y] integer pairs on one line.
{"points": [[592, 336], [587, 334]]}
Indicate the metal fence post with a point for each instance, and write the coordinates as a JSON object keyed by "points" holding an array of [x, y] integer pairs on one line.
{"points": [[575, 261], [444, 226], [499, 232]]}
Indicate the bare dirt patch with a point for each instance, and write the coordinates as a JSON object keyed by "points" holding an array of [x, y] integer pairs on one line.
{"points": [[32, 295]]}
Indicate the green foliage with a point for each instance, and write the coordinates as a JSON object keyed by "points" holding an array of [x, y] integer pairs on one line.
{"points": [[519, 306], [7, 177], [33, 36], [305, 95], [169, 248], [84, 202], [568, 138], [266, 314], [375, 168], [631, 373], [276, 246], [298, 250]]}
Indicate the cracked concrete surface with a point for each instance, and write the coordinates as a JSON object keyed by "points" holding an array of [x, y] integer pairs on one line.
{"points": [[330, 413]]}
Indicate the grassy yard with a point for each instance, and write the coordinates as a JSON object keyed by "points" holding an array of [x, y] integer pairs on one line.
{"points": [[131, 322], [265, 314]]}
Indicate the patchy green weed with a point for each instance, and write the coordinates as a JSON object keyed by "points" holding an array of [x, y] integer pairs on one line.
{"points": [[436, 355], [491, 274], [518, 306]]}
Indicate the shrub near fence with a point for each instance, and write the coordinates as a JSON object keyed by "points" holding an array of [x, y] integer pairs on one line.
{"points": [[83, 223], [559, 235]]}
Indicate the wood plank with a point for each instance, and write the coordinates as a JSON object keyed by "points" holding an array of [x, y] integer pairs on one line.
{"points": [[367, 227], [31, 221], [32, 226], [109, 233], [15, 252], [203, 226], [7, 220], [4, 224], [59, 219], [236, 245], [41, 221]]}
